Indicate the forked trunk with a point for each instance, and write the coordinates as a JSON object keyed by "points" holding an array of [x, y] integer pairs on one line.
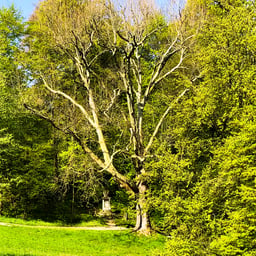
{"points": [[142, 221]]}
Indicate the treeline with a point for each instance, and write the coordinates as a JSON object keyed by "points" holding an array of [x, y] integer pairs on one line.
{"points": [[94, 96], [39, 169]]}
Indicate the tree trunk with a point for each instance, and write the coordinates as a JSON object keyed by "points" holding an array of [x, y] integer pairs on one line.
{"points": [[142, 221]]}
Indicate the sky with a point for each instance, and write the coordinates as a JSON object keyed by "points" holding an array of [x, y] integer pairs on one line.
{"points": [[27, 6]]}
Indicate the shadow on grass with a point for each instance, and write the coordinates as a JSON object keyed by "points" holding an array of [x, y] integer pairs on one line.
{"points": [[12, 254]]}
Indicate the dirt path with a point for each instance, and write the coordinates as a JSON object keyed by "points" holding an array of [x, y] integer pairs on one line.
{"points": [[4, 224], [70, 228]]}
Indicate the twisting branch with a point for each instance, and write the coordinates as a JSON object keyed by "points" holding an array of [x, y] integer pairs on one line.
{"points": [[161, 121], [110, 162]]}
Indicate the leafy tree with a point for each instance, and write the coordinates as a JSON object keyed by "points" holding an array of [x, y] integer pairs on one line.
{"points": [[102, 70], [235, 183], [26, 166], [210, 151]]}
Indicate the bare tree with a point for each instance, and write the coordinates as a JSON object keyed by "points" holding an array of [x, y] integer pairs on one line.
{"points": [[141, 50]]}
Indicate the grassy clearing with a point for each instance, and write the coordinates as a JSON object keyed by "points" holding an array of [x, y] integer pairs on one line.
{"points": [[27, 241]]}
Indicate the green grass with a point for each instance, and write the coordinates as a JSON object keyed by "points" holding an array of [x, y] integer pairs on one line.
{"points": [[34, 241], [28, 222], [86, 221]]}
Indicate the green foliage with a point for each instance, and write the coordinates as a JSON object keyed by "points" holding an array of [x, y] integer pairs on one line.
{"points": [[25, 169], [214, 214], [77, 176], [12, 29], [200, 171], [235, 162]]}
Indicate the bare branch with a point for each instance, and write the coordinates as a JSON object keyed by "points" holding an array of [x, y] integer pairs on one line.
{"points": [[161, 121], [122, 37], [43, 117], [85, 113], [137, 75], [160, 65], [113, 99], [110, 162], [149, 34], [173, 69], [96, 57], [79, 41], [162, 62], [130, 106], [84, 76]]}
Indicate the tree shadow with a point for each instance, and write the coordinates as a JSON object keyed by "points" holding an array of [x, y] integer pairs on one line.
{"points": [[16, 254]]}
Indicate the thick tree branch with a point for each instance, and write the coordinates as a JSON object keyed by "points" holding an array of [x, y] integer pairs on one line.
{"points": [[98, 129], [107, 166], [130, 105]]}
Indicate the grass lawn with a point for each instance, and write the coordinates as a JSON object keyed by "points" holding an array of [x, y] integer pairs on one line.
{"points": [[86, 221], [34, 241]]}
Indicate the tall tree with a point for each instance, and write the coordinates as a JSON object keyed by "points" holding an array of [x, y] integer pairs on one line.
{"points": [[207, 200], [22, 168], [103, 67]]}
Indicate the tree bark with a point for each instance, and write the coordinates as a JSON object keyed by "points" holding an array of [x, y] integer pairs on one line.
{"points": [[143, 225]]}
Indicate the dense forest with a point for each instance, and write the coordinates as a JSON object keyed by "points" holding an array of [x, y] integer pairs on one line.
{"points": [[156, 109]]}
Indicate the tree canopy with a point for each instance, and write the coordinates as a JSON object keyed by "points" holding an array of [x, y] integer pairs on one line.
{"points": [[158, 111]]}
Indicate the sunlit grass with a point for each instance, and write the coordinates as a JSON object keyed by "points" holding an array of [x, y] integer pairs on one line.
{"points": [[16, 240]]}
